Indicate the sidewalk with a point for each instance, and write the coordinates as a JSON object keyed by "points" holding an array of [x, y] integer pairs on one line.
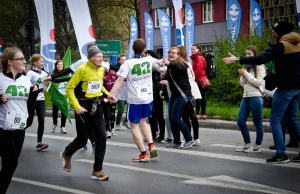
{"points": [[214, 122]]}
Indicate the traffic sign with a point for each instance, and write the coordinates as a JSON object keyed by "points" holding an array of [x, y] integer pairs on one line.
{"points": [[110, 47], [25, 33]]}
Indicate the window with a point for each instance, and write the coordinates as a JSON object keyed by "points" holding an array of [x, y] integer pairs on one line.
{"points": [[169, 11], [207, 12]]}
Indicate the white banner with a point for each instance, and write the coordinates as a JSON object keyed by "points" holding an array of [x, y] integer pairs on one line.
{"points": [[44, 11], [82, 22], [179, 22]]}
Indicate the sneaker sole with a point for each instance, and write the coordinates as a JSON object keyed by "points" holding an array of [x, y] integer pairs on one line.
{"points": [[63, 162], [52, 131], [279, 162], [142, 160], [190, 146], [153, 153], [42, 148], [100, 179]]}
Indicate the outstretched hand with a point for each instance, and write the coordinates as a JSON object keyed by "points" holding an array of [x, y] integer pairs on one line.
{"points": [[112, 99]]}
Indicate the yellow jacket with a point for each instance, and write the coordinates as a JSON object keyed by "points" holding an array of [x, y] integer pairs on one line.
{"points": [[85, 73]]}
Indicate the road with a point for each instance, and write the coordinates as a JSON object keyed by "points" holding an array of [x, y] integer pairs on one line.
{"points": [[212, 167]]}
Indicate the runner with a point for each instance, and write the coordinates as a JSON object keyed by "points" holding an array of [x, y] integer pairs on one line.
{"points": [[36, 76], [85, 92], [138, 73], [14, 96]]}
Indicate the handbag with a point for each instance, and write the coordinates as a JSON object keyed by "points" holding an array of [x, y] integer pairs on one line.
{"points": [[267, 100], [204, 82], [191, 104]]}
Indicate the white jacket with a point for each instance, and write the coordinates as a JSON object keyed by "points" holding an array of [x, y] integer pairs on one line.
{"points": [[194, 87], [250, 83]]}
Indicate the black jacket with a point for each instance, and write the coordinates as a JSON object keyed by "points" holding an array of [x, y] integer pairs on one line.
{"points": [[180, 76], [286, 56]]}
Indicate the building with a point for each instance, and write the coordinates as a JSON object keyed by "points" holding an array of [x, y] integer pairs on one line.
{"points": [[210, 17]]}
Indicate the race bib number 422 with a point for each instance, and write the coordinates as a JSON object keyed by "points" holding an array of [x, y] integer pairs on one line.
{"points": [[15, 120]]}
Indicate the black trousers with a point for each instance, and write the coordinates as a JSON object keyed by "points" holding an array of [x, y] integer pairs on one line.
{"points": [[85, 125], [11, 143], [157, 117], [54, 117], [188, 117], [39, 107], [109, 115], [201, 103]]}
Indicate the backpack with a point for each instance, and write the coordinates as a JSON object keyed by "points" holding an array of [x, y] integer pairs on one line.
{"points": [[210, 70]]}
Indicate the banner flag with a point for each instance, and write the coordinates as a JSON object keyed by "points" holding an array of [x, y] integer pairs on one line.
{"points": [[179, 22], [0, 46], [133, 36], [82, 22], [58, 90], [234, 18], [44, 9], [256, 17], [149, 31], [298, 13], [165, 30], [189, 27]]}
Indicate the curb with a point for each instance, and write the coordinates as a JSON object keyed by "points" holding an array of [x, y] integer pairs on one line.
{"points": [[214, 122]]}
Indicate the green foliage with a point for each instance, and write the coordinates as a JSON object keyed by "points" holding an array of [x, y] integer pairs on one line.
{"points": [[225, 87]]}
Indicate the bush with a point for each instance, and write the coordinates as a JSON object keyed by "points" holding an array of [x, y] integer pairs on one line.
{"points": [[225, 87]]}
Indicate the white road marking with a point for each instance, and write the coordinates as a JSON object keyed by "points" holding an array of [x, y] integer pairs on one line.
{"points": [[189, 152], [265, 150], [217, 181], [55, 187], [228, 182]]}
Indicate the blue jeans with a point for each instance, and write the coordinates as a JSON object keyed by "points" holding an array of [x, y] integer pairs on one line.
{"points": [[254, 105], [284, 101], [176, 109]]}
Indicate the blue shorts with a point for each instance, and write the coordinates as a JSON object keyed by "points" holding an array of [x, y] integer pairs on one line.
{"points": [[136, 112]]}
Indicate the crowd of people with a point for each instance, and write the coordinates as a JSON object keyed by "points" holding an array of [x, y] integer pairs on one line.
{"points": [[151, 83]]}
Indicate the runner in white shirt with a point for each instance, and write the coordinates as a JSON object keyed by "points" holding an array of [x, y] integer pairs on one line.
{"points": [[138, 73], [36, 76]]}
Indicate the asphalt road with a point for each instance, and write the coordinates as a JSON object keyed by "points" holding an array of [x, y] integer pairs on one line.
{"points": [[212, 167]]}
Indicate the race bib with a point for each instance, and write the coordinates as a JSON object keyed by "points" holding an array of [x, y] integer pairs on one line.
{"points": [[15, 120], [144, 90], [94, 87]]}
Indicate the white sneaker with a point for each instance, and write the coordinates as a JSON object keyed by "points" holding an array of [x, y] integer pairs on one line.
{"points": [[63, 130], [126, 124], [197, 141], [118, 127], [108, 134], [257, 148], [246, 148], [113, 132], [53, 128]]}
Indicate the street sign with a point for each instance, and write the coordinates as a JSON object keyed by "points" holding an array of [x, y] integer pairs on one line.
{"points": [[110, 47], [25, 33]]}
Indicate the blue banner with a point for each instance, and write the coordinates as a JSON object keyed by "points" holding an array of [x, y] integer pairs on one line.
{"points": [[0, 46], [133, 36], [189, 27], [298, 12], [256, 17], [149, 31], [234, 18], [165, 30]]}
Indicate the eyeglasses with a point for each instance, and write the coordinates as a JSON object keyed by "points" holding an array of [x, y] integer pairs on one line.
{"points": [[21, 59]]}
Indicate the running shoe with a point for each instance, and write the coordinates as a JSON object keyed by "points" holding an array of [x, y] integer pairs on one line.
{"points": [[141, 158], [41, 146], [99, 175], [63, 130], [53, 128], [66, 162], [153, 151]]}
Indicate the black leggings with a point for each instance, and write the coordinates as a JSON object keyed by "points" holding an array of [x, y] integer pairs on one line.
{"points": [[39, 107], [86, 125], [157, 116], [109, 115], [188, 117], [11, 143], [54, 117], [201, 102]]}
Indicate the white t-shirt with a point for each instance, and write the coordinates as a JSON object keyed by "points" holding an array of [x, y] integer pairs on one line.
{"points": [[138, 74], [13, 113], [37, 78]]}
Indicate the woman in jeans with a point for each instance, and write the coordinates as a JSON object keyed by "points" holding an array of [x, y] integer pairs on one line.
{"points": [[59, 66], [252, 79], [177, 73]]}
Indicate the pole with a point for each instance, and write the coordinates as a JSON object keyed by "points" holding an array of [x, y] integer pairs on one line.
{"points": [[31, 28]]}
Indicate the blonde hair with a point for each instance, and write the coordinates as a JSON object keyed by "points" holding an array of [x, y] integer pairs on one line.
{"points": [[34, 58], [7, 54]]}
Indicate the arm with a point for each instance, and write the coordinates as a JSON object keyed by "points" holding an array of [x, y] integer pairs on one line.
{"points": [[62, 73], [104, 90], [199, 68], [259, 81], [59, 80], [75, 79], [177, 65], [117, 85], [114, 67], [242, 80], [270, 54]]}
